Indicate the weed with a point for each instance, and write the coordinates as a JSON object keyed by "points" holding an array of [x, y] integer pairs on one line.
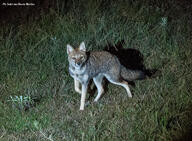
{"points": [[21, 102]]}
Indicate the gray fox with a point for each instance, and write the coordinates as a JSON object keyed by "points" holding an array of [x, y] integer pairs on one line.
{"points": [[84, 66]]}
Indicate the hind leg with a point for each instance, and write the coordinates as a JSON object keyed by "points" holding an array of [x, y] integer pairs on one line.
{"points": [[121, 82], [98, 82]]}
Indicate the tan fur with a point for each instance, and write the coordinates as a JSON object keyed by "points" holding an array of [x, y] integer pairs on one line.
{"points": [[84, 66]]}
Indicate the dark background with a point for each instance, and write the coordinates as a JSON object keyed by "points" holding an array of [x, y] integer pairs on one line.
{"points": [[24, 14]]}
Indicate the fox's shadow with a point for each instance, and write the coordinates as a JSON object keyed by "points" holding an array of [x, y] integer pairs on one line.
{"points": [[129, 58]]}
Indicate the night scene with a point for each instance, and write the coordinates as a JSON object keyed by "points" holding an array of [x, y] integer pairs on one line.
{"points": [[96, 70]]}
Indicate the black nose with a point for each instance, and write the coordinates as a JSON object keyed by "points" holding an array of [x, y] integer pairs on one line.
{"points": [[78, 63]]}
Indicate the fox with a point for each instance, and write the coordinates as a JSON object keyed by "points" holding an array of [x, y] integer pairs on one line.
{"points": [[95, 65]]}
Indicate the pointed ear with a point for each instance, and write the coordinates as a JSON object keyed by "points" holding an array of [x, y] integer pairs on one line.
{"points": [[82, 47], [69, 48]]}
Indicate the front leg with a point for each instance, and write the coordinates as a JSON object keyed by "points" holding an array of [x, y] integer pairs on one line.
{"points": [[77, 86], [83, 96]]}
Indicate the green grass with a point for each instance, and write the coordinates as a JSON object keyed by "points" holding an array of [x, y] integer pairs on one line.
{"points": [[33, 62]]}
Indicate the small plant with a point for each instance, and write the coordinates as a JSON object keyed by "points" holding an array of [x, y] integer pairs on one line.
{"points": [[163, 21], [22, 102]]}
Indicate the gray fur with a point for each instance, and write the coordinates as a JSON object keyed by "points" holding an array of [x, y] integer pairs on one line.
{"points": [[84, 66], [131, 75], [108, 64]]}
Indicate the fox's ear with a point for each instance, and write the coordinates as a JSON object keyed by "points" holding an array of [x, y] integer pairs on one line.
{"points": [[82, 47], [69, 48]]}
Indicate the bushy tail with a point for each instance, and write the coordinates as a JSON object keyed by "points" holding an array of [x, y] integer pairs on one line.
{"points": [[131, 75]]}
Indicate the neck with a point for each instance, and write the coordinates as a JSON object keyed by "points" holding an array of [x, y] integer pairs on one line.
{"points": [[79, 70]]}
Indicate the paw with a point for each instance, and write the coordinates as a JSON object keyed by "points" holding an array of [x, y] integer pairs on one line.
{"points": [[81, 108], [130, 95], [78, 91]]}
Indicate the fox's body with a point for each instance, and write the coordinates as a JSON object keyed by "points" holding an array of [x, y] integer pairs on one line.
{"points": [[84, 66]]}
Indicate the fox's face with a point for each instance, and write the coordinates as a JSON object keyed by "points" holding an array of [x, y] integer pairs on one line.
{"points": [[77, 56]]}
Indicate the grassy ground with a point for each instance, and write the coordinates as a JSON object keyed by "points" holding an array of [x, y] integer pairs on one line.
{"points": [[33, 64]]}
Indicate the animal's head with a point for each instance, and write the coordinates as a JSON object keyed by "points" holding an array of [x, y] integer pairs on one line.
{"points": [[77, 56]]}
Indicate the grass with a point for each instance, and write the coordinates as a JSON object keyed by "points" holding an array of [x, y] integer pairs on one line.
{"points": [[33, 63]]}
